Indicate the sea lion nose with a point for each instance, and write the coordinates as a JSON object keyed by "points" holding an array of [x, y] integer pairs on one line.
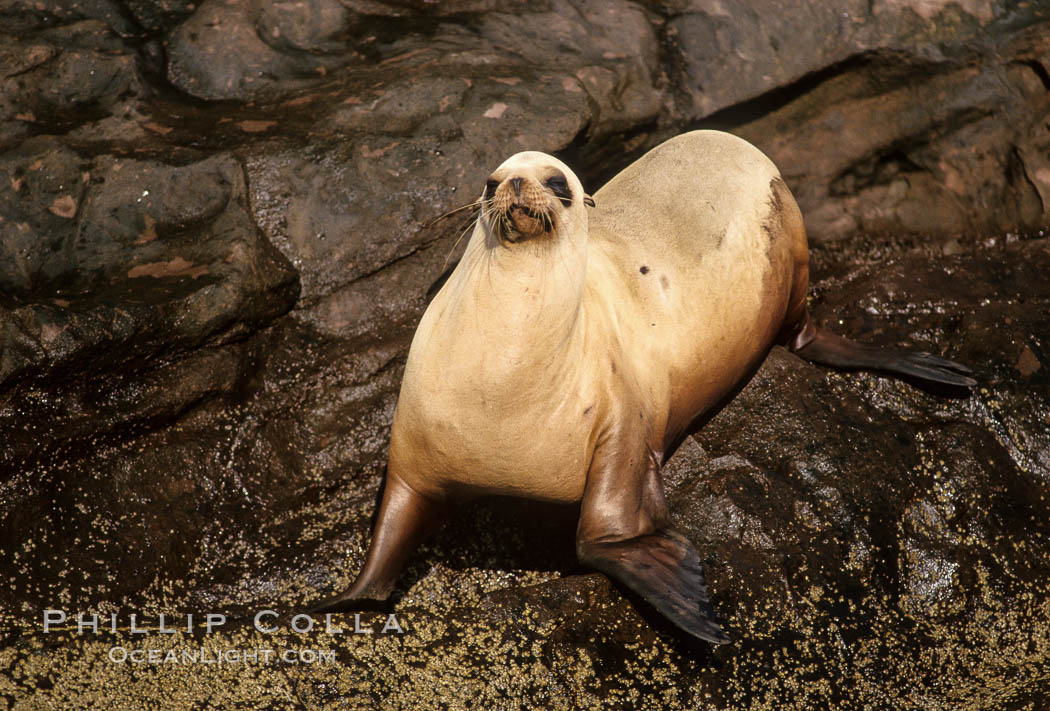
{"points": [[516, 182]]}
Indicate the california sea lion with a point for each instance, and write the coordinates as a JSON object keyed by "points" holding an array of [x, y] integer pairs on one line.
{"points": [[568, 353]]}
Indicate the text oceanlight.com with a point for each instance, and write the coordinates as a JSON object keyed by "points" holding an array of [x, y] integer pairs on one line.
{"points": [[202, 655]]}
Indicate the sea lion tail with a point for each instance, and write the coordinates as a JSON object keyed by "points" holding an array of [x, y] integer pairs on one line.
{"points": [[815, 343]]}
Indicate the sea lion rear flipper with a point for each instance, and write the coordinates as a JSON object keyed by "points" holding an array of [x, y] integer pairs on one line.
{"points": [[815, 343], [624, 532], [405, 518]]}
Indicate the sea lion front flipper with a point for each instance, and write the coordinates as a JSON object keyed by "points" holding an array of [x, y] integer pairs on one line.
{"points": [[624, 532], [664, 568], [819, 345], [405, 518]]}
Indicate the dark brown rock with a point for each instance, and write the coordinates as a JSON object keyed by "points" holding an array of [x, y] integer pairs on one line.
{"points": [[119, 264], [227, 51], [53, 78], [934, 154], [183, 430]]}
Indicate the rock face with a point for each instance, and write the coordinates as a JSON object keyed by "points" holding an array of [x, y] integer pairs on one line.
{"points": [[216, 232]]}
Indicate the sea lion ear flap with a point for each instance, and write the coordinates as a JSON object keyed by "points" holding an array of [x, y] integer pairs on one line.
{"points": [[588, 200]]}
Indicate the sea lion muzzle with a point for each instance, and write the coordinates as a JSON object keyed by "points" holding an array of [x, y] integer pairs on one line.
{"points": [[521, 209], [527, 222]]}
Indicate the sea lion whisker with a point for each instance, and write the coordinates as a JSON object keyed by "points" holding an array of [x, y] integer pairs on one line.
{"points": [[433, 221], [470, 226], [505, 226]]}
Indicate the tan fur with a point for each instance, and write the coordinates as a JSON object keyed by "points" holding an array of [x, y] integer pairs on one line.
{"points": [[571, 350], [538, 352]]}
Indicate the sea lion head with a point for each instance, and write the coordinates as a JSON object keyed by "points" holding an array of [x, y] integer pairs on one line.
{"points": [[531, 196]]}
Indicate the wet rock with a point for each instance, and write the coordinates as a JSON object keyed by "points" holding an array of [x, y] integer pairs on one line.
{"points": [[112, 263], [156, 15], [184, 429], [894, 114], [848, 523], [53, 78], [730, 52], [223, 50], [933, 154]]}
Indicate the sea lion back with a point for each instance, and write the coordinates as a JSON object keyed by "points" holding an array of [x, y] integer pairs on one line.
{"points": [[704, 245], [689, 192]]}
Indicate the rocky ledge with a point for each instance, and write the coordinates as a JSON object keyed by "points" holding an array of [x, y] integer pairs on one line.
{"points": [[216, 233]]}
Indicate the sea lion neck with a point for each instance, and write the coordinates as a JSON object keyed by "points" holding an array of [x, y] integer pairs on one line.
{"points": [[530, 292], [507, 331]]}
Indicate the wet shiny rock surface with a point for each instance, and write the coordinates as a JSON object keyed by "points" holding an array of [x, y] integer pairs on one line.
{"points": [[215, 239]]}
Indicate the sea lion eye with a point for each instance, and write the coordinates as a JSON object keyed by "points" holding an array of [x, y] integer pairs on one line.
{"points": [[490, 189], [560, 187]]}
